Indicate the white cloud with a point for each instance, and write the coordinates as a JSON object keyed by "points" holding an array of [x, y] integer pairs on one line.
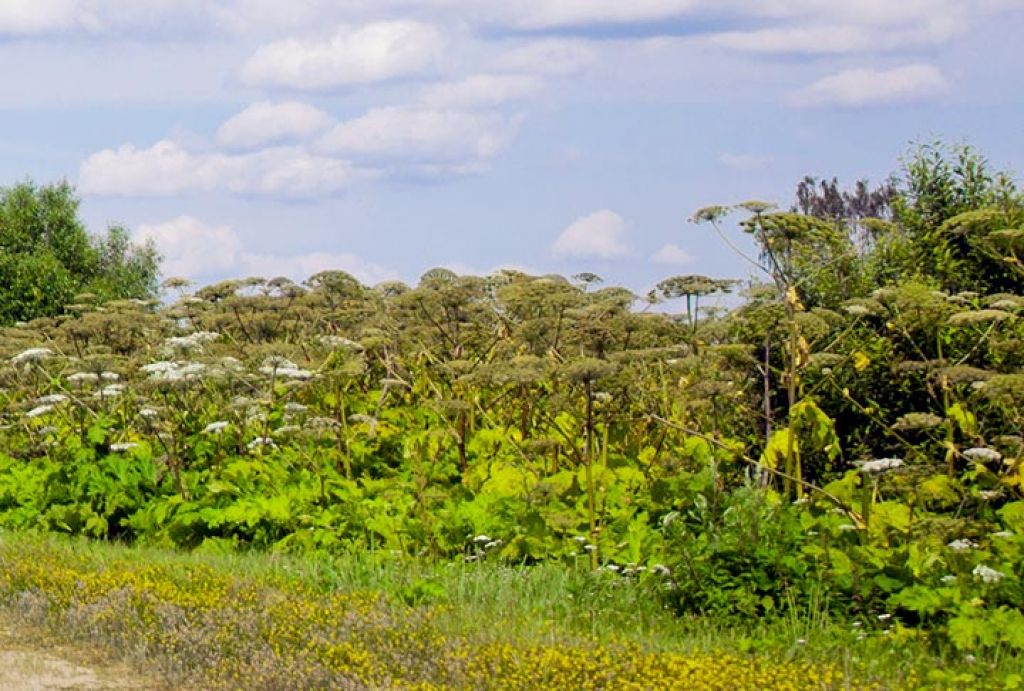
{"points": [[840, 38], [302, 266], [548, 56], [553, 14], [672, 255], [865, 87], [481, 90], [193, 249], [353, 55], [167, 169], [745, 163], [433, 140], [598, 235], [272, 123], [33, 17]]}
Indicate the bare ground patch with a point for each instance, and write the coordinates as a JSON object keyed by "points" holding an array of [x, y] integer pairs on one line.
{"points": [[31, 660]]}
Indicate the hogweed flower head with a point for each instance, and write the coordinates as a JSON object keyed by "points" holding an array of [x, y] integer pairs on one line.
{"points": [[217, 427], [880, 465], [962, 545], [39, 411], [987, 575], [31, 355], [982, 454]]}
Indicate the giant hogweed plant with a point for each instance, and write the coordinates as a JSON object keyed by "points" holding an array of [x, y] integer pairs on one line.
{"points": [[829, 443]]}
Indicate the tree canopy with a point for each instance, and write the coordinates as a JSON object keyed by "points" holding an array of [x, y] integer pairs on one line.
{"points": [[47, 257]]}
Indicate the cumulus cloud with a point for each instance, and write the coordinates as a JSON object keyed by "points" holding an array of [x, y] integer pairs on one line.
{"points": [[353, 55], [599, 235], [548, 56], [266, 123], [33, 17], [840, 38], [548, 14], [435, 140], [672, 255], [166, 169], [481, 90], [867, 87], [193, 249]]}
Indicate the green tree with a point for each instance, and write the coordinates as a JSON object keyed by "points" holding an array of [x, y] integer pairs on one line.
{"points": [[47, 256]]}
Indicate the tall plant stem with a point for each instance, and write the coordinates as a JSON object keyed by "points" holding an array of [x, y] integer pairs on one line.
{"points": [[589, 462]]}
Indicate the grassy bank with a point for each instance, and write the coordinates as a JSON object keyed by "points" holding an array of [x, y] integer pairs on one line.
{"points": [[379, 621]]}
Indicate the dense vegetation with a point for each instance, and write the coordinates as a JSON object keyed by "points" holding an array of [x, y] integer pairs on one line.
{"points": [[47, 257], [847, 441]]}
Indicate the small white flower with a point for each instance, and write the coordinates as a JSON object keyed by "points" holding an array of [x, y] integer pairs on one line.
{"points": [[83, 377], [983, 455], [123, 446], [493, 543], [801, 641], [112, 390], [612, 567], [580, 539], [110, 376], [884, 617], [880, 465], [857, 310], [39, 411], [990, 494], [987, 575], [481, 538], [846, 527], [294, 373], [159, 367], [193, 341], [948, 579], [293, 407], [1003, 533], [259, 442], [590, 548], [51, 399], [661, 570], [962, 545], [216, 427], [32, 355], [149, 412]]}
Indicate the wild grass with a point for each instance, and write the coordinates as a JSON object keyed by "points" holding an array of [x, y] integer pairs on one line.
{"points": [[378, 619]]}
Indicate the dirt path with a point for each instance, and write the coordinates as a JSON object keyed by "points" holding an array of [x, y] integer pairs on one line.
{"points": [[31, 662]]}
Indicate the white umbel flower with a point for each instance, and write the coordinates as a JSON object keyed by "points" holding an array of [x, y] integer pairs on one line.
{"points": [[217, 427], [31, 355], [962, 545], [987, 575], [880, 465], [39, 411]]}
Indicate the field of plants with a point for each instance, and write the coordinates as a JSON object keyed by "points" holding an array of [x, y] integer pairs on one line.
{"points": [[520, 481]]}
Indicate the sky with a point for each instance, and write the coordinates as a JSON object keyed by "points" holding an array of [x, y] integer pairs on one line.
{"points": [[387, 137]]}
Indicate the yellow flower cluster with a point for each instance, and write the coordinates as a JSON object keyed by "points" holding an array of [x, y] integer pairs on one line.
{"points": [[220, 630]]}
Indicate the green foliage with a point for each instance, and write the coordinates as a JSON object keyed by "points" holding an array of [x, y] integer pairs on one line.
{"points": [[846, 441], [47, 257]]}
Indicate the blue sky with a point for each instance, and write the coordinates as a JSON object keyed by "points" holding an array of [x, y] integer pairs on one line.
{"points": [[386, 137]]}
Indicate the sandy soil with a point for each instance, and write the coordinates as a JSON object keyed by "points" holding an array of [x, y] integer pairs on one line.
{"points": [[30, 662]]}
